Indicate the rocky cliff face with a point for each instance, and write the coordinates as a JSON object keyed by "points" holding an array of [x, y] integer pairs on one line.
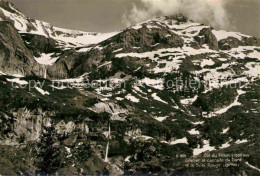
{"points": [[16, 58], [25, 125], [40, 44]]}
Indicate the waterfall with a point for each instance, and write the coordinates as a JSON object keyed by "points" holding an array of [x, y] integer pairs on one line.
{"points": [[45, 72], [107, 147]]}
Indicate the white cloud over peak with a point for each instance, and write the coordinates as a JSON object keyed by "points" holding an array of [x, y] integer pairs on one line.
{"points": [[206, 11]]}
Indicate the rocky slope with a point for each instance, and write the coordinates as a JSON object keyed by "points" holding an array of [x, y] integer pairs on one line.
{"points": [[150, 99], [16, 58]]}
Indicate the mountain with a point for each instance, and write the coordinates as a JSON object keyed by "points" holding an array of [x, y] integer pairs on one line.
{"points": [[44, 40], [67, 38], [166, 96]]}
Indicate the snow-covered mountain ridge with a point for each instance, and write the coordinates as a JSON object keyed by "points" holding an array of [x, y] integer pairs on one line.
{"points": [[25, 24], [144, 100]]}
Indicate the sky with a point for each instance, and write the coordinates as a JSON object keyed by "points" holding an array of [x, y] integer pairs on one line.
{"points": [[111, 15]]}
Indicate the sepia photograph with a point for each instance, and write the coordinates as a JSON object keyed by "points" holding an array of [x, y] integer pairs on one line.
{"points": [[130, 87]]}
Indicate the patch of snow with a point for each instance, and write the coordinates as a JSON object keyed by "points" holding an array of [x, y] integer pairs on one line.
{"points": [[206, 147], [2, 73], [119, 98], [68, 149], [42, 91], [86, 38], [18, 81], [225, 34], [160, 119], [142, 137], [226, 145], [253, 70], [152, 27], [59, 87], [139, 90], [82, 50], [254, 54], [225, 130], [127, 159], [241, 141], [222, 59], [189, 100], [46, 59], [105, 64], [104, 99], [179, 141], [132, 98], [197, 123], [154, 95], [146, 137], [194, 132], [72, 80], [17, 75], [136, 27], [120, 49], [208, 62]]}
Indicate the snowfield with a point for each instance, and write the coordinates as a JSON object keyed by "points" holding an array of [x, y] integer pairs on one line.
{"points": [[46, 59]]}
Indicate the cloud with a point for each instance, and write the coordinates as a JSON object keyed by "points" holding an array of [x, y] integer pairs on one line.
{"points": [[206, 11]]}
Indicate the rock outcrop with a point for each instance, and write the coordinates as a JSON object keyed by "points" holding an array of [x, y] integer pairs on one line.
{"points": [[251, 41], [206, 36], [40, 44], [15, 58], [232, 42], [145, 37], [228, 43]]}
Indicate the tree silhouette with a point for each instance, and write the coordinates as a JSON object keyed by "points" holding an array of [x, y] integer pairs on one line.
{"points": [[48, 156]]}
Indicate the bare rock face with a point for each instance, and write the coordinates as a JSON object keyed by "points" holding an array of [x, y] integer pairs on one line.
{"points": [[145, 38], [58, 70], [28, 125], [206, 36], [73, 64], [15, 58], [87, 62], [232, 42], [40, 44]]}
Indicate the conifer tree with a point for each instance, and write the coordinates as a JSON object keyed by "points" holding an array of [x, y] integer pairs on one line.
{"points": [[48, 156]]}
